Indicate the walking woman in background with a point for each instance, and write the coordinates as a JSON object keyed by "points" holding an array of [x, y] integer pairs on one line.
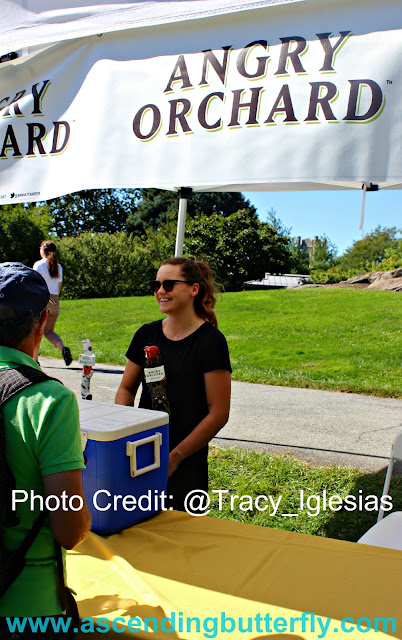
{"points": [[52, 272], [197, 366]]}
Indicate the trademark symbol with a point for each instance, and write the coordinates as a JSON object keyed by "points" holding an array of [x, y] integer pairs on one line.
{"points": [[389, 81]]}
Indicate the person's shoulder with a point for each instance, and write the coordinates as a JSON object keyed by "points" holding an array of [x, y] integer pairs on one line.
{"points": [[38, 265], [213, 349], [146, 334], [150, 327], [49, 398], [56, 390], [153, 324], [212, 332], [148, 331], [59, 406]]}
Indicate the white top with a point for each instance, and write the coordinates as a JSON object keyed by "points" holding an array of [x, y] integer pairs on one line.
{"points": [[52, 283], [105, 422]]}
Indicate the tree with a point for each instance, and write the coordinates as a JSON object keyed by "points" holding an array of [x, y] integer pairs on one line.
{"points": [[94, 210], [366, 254], [152, 210], [156, 205], [392, 258], [324, 254], [300, 259], [22, 229], [238, 247], [105, 265], [223, 202], [322, 257], [160, 243]]}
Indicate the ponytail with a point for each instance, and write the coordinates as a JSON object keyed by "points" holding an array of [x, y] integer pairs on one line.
{"points": [[49, 249], [200, 272]]}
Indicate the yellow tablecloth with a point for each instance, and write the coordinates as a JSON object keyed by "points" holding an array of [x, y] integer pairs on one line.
{"points": [[208, 568]]}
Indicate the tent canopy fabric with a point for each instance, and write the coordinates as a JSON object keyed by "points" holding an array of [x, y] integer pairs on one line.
{"points": [[28, 23], [279, 95]]}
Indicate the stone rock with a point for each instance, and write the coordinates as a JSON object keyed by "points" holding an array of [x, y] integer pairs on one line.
{"points": [[387, 275], [383, 280], [365, 278], [387, 284]]}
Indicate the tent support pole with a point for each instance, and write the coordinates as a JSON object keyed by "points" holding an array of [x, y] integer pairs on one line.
{"points": [[366, 186], [181, 220]]}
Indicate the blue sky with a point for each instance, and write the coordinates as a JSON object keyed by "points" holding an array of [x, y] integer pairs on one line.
{"points": [[335, 214]]}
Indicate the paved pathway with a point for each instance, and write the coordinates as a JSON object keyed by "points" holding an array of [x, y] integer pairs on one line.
{"points": [[319, 427]]}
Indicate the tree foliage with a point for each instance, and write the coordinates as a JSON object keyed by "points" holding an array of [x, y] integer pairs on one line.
{"points": [[238, 247], [156, 206], [392, 258], [153, 210], [104, 266], [92, 210], [367, 254], [132, 210], [300, 259], [324, 254], [224, 203], [22, 229]]}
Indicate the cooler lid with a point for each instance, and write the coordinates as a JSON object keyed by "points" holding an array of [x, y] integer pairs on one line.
{"points": [[104, 422]]}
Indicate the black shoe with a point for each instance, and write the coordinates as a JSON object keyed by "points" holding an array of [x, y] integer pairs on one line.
{"points": [[67, 356]]}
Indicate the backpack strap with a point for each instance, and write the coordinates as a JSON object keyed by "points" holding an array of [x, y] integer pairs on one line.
{"points": [[15, 562], [13, 381]]}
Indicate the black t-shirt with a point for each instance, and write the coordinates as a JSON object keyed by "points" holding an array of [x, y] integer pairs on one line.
{"points": [[185, 362]]}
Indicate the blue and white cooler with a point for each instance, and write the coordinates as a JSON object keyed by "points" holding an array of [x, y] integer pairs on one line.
{"points": [[127, 455]]}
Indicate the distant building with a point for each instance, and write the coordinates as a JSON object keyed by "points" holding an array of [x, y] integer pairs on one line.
{"points": [[308, 246], [283, 281], [287, 280]]}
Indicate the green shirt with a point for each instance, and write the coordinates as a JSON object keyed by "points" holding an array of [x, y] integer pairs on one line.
{"points": [[42, 437]]}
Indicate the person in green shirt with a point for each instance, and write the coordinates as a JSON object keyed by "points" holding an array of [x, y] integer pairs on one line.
{"points": [[43, 451]]}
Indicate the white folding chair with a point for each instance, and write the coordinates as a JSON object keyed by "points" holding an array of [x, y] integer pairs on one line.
{"points": [[387, 532]]}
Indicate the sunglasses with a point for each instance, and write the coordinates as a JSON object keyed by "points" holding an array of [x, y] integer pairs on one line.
{"points": [[166, 284]]}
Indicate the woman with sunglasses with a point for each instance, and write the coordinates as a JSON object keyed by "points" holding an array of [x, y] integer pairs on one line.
{"points": [[196, 359]]}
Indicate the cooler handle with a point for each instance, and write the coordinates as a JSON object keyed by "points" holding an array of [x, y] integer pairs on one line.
{"points": [[131, 450], [84, 439]]}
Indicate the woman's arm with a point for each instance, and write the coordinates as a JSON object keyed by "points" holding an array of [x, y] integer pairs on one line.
{"points": [[129, 384], [217, 387]]}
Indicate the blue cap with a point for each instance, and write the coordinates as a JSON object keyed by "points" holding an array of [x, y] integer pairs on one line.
{"points": [[22, 289]]}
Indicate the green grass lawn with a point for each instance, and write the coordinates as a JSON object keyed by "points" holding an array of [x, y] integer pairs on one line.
{"points": [[335, 339], [252, 473]]}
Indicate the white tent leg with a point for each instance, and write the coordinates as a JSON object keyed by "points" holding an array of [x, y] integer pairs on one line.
{"points": [[181, 221]]}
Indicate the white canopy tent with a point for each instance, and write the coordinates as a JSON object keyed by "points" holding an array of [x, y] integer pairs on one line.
{"points": [[207, 94]]}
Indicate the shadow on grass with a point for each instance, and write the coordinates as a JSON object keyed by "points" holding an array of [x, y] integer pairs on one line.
{"points": [[351, 525]]}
